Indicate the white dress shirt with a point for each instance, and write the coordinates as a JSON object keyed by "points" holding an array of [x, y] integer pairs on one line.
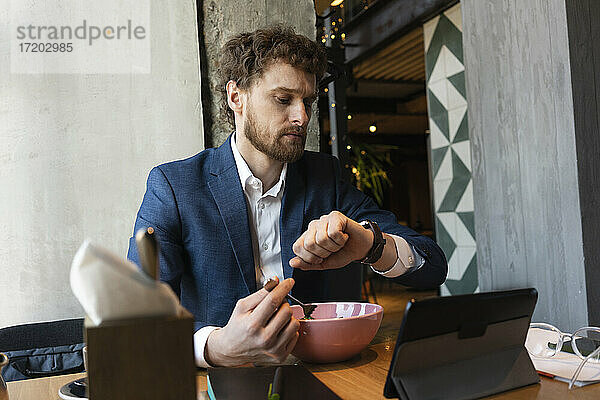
{"points": [[264, 211]]}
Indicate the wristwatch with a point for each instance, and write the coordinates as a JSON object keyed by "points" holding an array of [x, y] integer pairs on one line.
{"points": [[378, 243]]}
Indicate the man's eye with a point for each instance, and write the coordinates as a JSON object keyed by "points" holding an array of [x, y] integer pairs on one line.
{"points": [[283, 100]]}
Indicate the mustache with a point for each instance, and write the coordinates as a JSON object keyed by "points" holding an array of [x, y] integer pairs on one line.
{"points": [[296, 130]]}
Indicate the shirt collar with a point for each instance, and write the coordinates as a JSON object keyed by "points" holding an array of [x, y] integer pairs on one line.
{"points": [[246, 175]]}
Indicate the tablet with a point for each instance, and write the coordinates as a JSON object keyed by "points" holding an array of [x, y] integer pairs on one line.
{"points": [[463, 347]]}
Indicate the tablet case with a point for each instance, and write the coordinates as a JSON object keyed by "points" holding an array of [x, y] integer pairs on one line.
{"points": [[463, 347]]}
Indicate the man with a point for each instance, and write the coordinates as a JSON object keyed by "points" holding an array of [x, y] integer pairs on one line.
{"points": [[259, 206]]}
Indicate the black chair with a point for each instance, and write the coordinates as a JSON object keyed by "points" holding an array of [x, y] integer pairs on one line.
{"points": [[42, 349], [368, 285]]}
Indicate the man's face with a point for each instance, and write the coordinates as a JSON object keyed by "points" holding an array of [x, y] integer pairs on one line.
{"points": [[278, 110]]}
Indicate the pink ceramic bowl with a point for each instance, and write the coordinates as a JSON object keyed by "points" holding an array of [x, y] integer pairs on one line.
{"points": [[338, 331]]}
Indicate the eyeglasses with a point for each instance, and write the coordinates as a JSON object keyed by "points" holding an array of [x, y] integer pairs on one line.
{"points": [[547, 341]]}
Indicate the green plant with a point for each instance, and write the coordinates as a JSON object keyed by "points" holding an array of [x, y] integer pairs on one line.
{"points": [[368, 164]]}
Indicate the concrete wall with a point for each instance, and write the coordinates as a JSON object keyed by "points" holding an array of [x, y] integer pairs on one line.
{"points": [[523, 145], [75, 151], [222, 19]]}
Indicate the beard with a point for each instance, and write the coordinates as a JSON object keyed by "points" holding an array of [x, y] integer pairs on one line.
{"points": [[275, 146]]}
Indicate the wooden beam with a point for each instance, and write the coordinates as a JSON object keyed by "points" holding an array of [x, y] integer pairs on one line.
{"points": [[405, 82], [415, 52], [377, 61], [416, 140], [382, 24], [366, 105]]}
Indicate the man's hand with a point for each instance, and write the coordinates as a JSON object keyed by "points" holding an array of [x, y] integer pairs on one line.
{"points": [[331, 241], [261, 329]]}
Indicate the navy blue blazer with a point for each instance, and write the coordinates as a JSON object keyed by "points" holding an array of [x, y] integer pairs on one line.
{"points": [[198, 210]]}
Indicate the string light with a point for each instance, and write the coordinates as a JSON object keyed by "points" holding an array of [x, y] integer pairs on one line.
{"points": [[332, 37], [326, 90], [349, 147], [373, 128], [343, 36], [349, 116]]}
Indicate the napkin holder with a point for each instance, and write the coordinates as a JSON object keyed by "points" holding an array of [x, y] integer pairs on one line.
{"points": [[145, 358]]}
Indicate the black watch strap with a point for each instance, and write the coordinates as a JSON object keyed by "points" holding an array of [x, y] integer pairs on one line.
{"points": [[378, 242]]}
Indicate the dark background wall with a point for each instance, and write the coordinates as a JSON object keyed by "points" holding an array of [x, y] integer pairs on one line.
{"points": [[584, 48]]}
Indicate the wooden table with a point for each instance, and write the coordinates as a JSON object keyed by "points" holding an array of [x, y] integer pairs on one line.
{"points": [[360, 378]]}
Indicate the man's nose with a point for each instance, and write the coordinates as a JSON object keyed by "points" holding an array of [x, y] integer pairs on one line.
{"points": [[300, 115]]}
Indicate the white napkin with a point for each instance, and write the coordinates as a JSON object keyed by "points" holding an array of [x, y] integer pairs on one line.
{"points": [[110, 288]]}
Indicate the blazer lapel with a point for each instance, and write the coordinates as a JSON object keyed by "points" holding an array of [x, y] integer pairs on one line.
{"points": [[224, 184], [292, 214]]}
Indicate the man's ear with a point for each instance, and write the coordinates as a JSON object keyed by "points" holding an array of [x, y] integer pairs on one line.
{"points": [[235, 97]]}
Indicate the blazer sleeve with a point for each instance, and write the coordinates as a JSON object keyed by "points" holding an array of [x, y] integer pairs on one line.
{"points": [[356, 205], [159, 210]]}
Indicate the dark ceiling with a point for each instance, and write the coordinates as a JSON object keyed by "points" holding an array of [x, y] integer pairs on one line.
{"points": [[388, 89]]}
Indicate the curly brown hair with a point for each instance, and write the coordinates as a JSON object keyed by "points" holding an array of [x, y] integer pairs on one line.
{"points": [[246, 56]]}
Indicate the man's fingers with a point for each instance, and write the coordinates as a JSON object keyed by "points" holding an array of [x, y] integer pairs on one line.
{"points": [[313, 247], [322, 243], [336, 260], [302, 252], [299, 263], [279, 321], [248, 303], [286, 341], [324, 240], [288, 337], [335, 231], [328, 236], [270, 303], [292, 343]]}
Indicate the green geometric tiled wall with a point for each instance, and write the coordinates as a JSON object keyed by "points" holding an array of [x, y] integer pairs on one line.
{"points": [[450, 149]]}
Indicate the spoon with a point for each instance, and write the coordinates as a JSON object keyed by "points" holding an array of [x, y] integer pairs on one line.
{"points": [[307, 308]]}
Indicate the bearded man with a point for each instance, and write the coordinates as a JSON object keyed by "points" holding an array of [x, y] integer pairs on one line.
{"points": [[260, 206]]}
